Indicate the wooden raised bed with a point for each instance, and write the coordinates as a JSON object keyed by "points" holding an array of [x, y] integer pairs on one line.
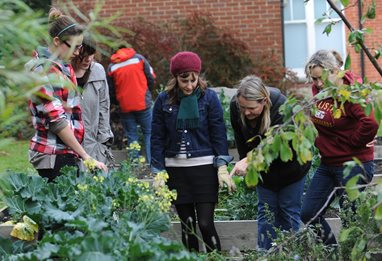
{"points": [[241, 234]]}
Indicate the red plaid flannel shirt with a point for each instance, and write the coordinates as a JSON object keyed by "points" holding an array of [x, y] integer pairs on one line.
{"points": [[55, 101]]}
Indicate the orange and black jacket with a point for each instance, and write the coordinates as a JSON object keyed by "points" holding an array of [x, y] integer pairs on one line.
{"points": [[133, 80]]}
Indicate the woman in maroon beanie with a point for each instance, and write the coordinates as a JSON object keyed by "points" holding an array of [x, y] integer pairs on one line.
{"points": [[189, 141]]}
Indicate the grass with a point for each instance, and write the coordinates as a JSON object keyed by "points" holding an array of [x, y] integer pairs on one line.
{"points": [[14, 156]]}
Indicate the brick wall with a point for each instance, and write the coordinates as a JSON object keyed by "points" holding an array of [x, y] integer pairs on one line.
{"points": [[257, 22], [373, 40]]}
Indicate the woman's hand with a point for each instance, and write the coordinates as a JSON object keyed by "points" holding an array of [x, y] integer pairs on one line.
{"points": [[240, 168], [91, 164]]}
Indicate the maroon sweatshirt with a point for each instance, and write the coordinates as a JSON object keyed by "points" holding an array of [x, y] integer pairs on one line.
{"points": [[339, 140]]}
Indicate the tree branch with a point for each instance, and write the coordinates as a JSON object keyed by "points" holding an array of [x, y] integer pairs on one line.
{"points": [[364, 48]]}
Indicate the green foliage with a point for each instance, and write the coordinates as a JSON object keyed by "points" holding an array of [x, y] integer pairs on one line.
{"points": [[108, 216], [356, 37], [294, 138], [241, 205], [347, 62], [225, 102], [22, 30], [360, 237], [345, 2], [371, 10]]}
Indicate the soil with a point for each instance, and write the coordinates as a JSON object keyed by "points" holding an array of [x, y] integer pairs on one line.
{"points": [[4, 215]]}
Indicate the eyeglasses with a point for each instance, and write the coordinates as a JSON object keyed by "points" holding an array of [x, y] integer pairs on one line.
{"points": [[77, 47]]}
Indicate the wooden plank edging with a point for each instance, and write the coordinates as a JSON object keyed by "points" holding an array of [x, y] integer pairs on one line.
{"points": [[241, 234]]}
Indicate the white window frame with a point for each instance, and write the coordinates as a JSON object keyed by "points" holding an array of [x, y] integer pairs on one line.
{"points": [[309, 21]]}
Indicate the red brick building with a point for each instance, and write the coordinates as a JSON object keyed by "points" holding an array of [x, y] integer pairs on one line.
{"points": [[285, 26]]}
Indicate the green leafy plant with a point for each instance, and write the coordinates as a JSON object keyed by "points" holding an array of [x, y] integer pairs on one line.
{"points": [[225, 102], [106, 215], [240, 205]]}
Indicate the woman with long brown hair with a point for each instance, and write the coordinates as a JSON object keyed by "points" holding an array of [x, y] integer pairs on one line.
{"points": [[189, 141]]}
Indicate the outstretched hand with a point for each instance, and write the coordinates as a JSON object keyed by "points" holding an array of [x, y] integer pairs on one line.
{"points": [[240, 168]]}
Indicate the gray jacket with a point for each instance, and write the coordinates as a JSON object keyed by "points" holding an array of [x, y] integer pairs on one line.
{"points": [[95, 105]]}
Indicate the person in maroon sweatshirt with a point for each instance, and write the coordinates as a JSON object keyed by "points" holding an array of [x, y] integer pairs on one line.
{"points": [[338, 141]]}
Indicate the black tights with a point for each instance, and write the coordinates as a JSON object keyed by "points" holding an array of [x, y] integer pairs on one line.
{"points": [[205, 215]]}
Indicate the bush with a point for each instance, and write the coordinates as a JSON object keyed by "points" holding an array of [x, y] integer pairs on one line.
{"points": [[225, 58]]}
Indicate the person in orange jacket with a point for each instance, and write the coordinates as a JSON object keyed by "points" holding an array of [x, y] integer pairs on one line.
{"points": [[133, 80]]}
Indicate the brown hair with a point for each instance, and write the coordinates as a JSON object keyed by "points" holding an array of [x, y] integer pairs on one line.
{"points": [[172, 85], [89, 47], [61, 25], [338, 58]]}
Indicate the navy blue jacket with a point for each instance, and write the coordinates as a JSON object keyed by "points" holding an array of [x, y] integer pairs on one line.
{"points": [[209, 139]]}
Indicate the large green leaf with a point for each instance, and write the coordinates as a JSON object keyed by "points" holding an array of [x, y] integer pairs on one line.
{"points": [[46, 251], [378, 212], [285, 152], [87, 224], [17, 181], [5, 246], [16, 205], [347, 62], [34, 189], [60, 215], [351, 188], [371, 10], [368, 109], [252, 178], [95, 256], [345, 2]]}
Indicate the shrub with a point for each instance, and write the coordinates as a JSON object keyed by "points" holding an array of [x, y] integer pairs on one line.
{"points": [[226, 59]]}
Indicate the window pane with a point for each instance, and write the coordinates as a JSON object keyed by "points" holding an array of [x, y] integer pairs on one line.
{"points": [[333, 41], [287, 11], [321, 7], [298, 10], [295, 45]]}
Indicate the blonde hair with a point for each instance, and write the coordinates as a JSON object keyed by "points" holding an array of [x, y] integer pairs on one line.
{"points": [[252, 88], [326, 59]]}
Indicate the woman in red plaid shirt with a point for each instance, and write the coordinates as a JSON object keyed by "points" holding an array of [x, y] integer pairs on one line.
{"points": [[55, 107]]}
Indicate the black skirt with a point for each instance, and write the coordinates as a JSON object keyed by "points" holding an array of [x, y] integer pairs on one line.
{"points": [[197, 184]]}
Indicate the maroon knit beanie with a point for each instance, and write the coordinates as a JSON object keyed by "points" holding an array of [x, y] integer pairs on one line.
{"points": [[185, 62]]}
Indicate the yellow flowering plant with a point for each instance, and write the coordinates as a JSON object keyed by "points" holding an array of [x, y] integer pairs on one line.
{"points": [[90, 164]]}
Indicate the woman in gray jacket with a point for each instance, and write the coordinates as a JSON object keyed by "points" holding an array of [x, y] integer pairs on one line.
{"points": [[95, 103]]}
